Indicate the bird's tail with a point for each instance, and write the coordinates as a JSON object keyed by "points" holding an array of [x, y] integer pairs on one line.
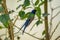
{"points": [[20, 28], [23, 30]]}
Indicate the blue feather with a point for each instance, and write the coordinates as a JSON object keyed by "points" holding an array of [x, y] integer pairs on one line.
{"points": [[28, 21]]}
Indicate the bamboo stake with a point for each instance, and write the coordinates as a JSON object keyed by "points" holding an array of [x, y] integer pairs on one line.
{"points": [[10, 27], [46, 19]]}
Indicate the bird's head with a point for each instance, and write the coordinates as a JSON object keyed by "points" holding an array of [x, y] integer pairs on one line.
{"points": [[34, 11]]}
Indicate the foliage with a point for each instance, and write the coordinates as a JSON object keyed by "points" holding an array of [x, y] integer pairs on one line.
{"points": [[38, 13], [4, 18], [1, 9], [43, 32], [37, 1], [1, 27], [38, 22], [22, 14], [26, 3], [0, 1]]}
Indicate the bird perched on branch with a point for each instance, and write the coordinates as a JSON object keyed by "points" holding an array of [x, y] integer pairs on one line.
{"points": [[29, 20]]}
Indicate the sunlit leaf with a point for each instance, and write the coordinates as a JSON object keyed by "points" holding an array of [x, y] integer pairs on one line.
{"points": [[1, 9], [22, 14], [37, 1], [41, 0], [43, 32], [38, 22], [0, 1], [26, 2], [38, 12], [4, 19], [1, 27], [41, 3]]}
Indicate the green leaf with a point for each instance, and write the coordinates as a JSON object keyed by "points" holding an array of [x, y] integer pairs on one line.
{"points": [[18, 37], [41, 0], [0, 1], [1, 9], [1, 27], [41, 3], [38, 22], [26, 3], [38, 12], [43, 32], [18, 0], [18, 6], [11, 11], [37, 1], [22, 15], [4, 19]]}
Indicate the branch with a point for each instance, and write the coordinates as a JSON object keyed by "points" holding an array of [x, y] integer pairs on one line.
{"points": [[51, 17], [26, 33], [55, 29], [56, 7], [10, 28], [4, 6], [57, 38], [46, 20], [56, 15]]}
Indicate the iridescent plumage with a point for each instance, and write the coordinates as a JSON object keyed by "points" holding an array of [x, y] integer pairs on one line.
{"points": [[28, 21]]}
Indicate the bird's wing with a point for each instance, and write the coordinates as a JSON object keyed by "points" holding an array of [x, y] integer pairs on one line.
{"points": [[30, 20]]}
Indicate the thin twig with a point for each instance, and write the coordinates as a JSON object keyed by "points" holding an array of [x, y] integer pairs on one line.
{"points": [[56, 7], [57, 38], [26, 33], [32, 27], [56, 15], [32, 3], [55, 29], [51, 18]]}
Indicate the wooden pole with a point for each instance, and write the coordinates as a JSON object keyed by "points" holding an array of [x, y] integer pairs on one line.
{"points": [[10, 27], [46, 19]]}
